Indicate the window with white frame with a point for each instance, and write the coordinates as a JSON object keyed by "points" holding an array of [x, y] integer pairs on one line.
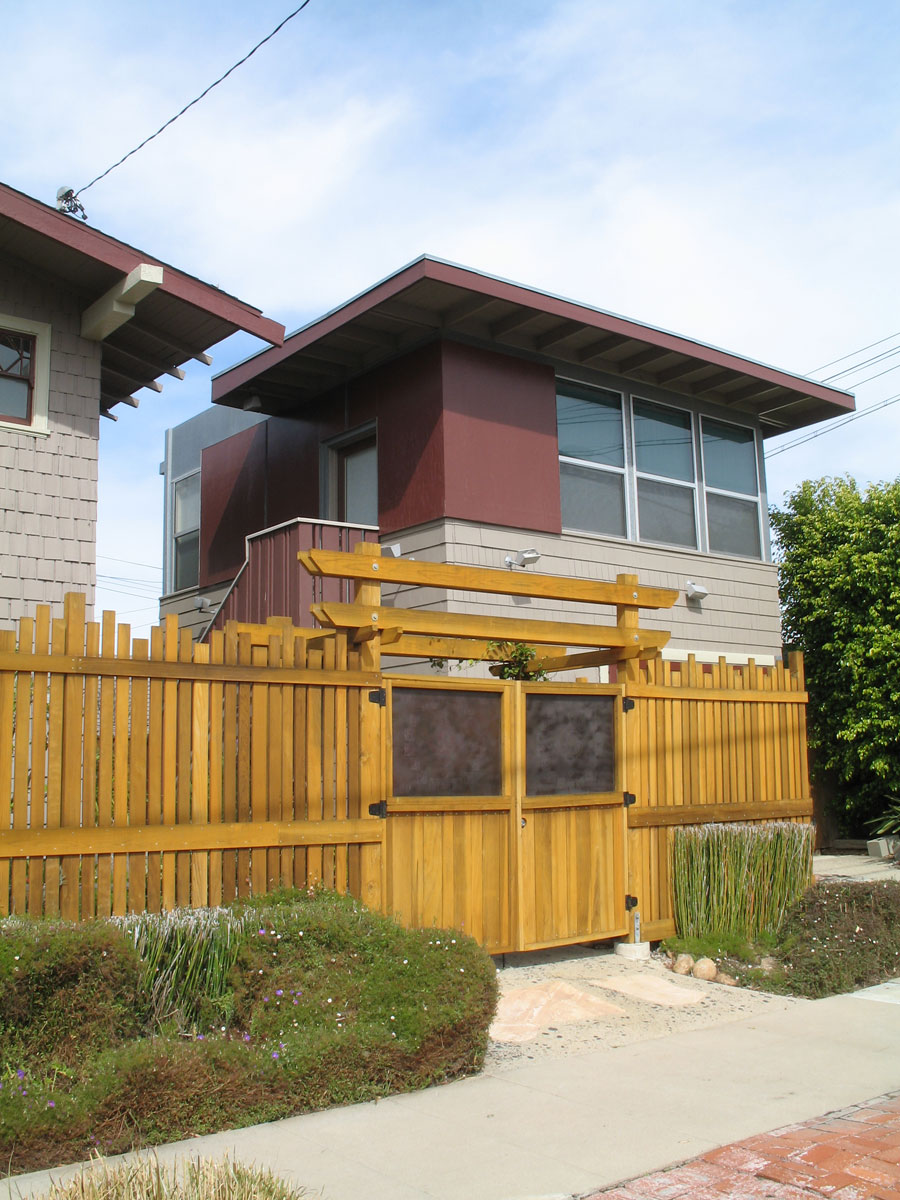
{"points": [[592, 461], [732, 488], [24, 374], [186, 531], [639, 468]]}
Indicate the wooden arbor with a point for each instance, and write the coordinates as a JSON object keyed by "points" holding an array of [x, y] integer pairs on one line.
{"points": [[423, 633], [506, 800]]}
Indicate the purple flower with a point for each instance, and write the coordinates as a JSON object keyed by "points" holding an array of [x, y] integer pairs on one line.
{"points": [[275, 1054], [51, 1104], [246, 1037], [20, 1073], [279, 992]]}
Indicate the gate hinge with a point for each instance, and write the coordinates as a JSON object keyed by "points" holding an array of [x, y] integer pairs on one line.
{"points": [[379, 809], [627, 704], [628, 798], [630, 903], [379, 696]]}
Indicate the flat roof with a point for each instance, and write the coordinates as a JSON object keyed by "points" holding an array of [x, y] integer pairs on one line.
{"points": [[178, 321], [430, 298]]}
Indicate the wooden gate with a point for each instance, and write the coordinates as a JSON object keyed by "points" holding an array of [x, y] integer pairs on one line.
{"points": [[505, 810]]}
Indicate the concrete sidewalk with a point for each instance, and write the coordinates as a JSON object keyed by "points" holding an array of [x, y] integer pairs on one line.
{"points": [[571, 1125]]}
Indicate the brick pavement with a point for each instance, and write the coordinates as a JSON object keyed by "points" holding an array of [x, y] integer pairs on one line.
{"points": [[853, 1154]]}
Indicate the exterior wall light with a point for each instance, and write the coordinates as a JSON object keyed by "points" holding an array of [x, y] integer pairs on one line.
{"points": [[393, 551], [522, 558], [695, 591]]}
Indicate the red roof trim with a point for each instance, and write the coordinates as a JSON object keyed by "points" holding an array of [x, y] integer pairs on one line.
{"points": [[499, 289], [84, 239]]}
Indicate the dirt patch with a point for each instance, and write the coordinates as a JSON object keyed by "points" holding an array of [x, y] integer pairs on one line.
{"points": [[578, 998]]}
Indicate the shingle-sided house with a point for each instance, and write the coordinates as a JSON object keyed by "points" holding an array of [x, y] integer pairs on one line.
{"points": [[85, 321], [467, 419]]}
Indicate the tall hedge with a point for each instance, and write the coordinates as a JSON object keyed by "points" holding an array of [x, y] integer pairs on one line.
{"points": [[838, 552]]}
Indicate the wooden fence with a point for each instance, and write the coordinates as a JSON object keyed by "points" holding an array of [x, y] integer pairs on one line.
{"points": [[708, 742], [145, 774], [149, 773]]}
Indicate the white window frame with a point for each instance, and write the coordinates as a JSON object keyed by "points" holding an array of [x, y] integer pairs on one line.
{"points": [[173, 535], [39, 425], [697, 484], [747, 497], [699, 529], [561, 384]]}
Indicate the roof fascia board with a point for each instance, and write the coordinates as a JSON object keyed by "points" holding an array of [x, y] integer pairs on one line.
{"points": [[441, 271], [84, 239]]}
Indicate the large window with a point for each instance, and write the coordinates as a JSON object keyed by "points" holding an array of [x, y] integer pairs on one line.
{"points": [[732, 488], [24, 374], [186, 531], [633, 467], [592, 461]]}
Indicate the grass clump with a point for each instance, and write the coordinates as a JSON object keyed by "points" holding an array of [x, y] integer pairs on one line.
{"points": [[195, 1179], [219, 1019], [737, 880]]}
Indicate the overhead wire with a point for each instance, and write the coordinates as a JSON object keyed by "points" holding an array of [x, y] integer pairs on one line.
{"points": [[196, 100], [834, 425]]}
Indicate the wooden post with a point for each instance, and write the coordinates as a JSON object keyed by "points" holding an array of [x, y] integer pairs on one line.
{"points": [[371, 740], [628, 670]]}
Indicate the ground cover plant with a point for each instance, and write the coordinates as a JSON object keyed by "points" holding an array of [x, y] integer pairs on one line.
{"points": [[839, 937], [116, 1035]]}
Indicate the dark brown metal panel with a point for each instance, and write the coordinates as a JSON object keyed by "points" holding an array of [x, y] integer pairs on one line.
{"points": [[570, 744], [411, 470], [232, 502], [500, 440], [445, 742]]}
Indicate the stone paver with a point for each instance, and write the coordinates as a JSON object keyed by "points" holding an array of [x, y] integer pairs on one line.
{"points": [[853, 1154]]}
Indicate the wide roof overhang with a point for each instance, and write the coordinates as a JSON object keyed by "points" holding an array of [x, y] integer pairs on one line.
{"points": [[430, 299], [175, 318]]}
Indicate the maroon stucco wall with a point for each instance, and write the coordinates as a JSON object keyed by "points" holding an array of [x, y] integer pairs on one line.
{"points": [[500, 445]]}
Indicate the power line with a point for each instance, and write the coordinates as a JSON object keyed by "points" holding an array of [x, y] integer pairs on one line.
{"points": [[811, 437], [866, 362], [196, 100], [129, 562], [853, 353]]}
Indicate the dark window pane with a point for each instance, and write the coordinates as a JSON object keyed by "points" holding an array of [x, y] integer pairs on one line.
{"points": [[15, 354], [729, 457], [590, 427], [666, 513], [187, 560], [14, 396], [733, 525], [361, 484], [446, 743], [569, 745], [592, 500], [662, 441]]}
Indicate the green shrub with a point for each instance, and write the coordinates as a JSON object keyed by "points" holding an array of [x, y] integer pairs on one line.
{"points": [[738, 880], [311, 1000], [66, 992]]}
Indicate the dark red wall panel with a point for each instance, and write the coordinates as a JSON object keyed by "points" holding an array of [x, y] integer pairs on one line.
{"points": [[500, 445], [232, 501]]}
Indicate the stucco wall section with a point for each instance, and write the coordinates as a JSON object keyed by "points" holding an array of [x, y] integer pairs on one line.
{"points": [[48, 484], [739, 619]]}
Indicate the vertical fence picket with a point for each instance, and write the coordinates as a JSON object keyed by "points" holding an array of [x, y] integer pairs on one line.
{"points": [[170, 754], [138, 742], [183, 771], [216, 766], [54, 766], [89, 813], [120, 768], [199, 776], [23, 739], [7, 722], [244, 650], [155, 770], [275, 659], [105, 763]]}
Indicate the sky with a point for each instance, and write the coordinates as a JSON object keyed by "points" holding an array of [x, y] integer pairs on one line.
{"points": [[729, 171]]}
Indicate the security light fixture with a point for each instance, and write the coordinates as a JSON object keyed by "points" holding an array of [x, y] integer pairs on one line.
{"points": [[522, 558], [695, 591], [395, 550], [253, 404]]}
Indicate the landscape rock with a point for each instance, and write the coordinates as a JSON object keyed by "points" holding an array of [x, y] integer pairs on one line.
{"points": [[683, 964], [768, 963], [724, 977], [704, 968]]}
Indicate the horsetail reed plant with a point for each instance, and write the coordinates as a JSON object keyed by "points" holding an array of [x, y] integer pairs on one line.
{"points": [[195, 1179], [187, 956], [738, 880]]}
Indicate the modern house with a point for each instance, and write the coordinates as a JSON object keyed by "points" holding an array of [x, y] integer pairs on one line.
{"points": [[85, 322], [468, 419]]}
